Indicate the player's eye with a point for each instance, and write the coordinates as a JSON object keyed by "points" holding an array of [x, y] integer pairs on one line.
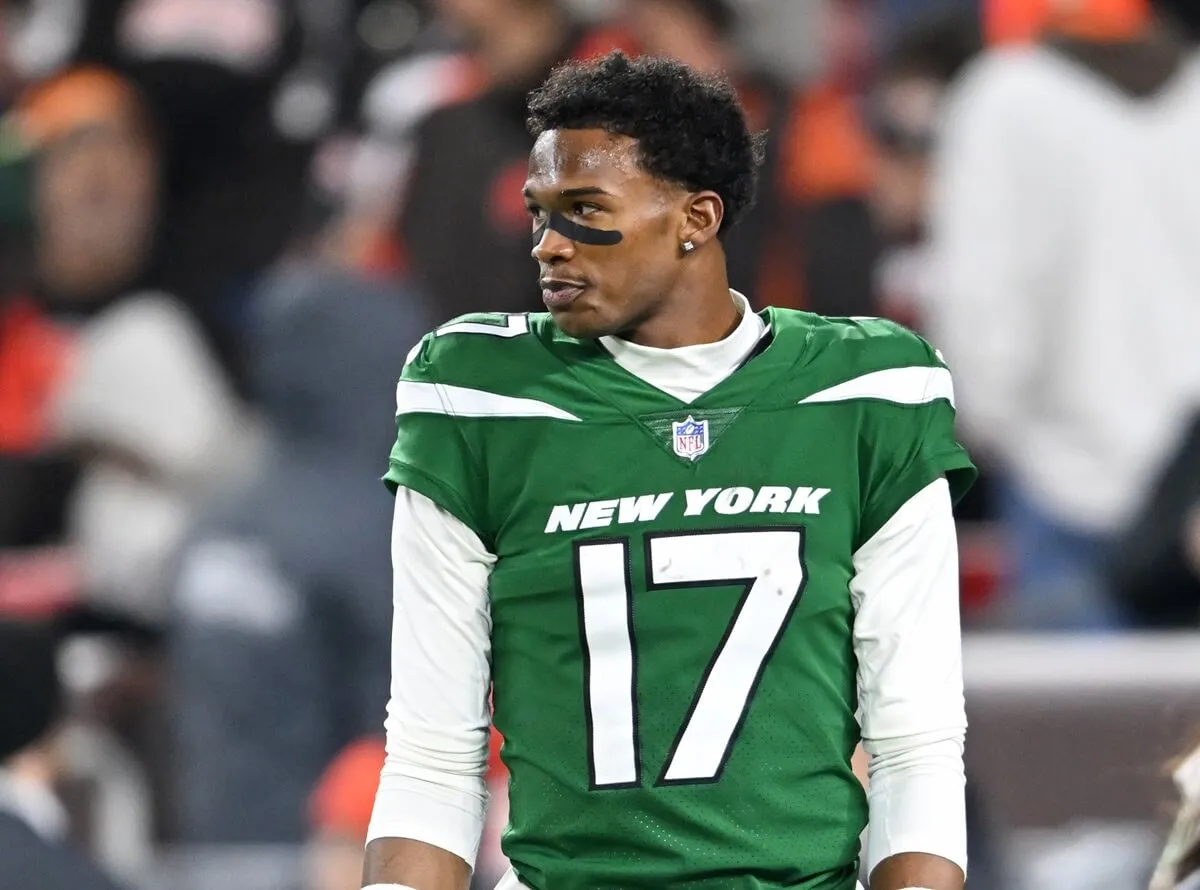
{"points": [[584, 209], [537, 214]]}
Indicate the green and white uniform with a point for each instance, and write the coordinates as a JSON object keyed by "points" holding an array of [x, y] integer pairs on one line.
{"points": [[673, 650]]}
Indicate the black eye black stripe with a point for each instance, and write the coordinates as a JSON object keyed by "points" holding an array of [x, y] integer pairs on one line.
{"points": [[575, 232]]}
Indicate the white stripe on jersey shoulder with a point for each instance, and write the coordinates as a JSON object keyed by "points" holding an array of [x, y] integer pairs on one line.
{"points": [[515, 326], [413, 353], [905, 386], [414, 397]]}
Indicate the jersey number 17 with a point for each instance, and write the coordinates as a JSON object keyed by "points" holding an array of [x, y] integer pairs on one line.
{"points": [[768, 562]]}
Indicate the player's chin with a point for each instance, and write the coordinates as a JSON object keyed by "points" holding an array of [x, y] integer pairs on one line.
{"points": [[582, 319]]}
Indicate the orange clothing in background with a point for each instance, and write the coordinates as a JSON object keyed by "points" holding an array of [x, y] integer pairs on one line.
{"points": [[827, 153], [345, 794], [1018, 21], [825, 157], [34, 357]]}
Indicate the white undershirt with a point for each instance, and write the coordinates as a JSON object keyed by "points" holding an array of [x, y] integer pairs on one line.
{"points": [[906, 638], [690, 371]]}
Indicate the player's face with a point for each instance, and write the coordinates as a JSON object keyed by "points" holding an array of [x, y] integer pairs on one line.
{"points": [[607, 234]]}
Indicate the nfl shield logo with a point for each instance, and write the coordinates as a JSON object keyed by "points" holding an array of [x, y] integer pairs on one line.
{"points": [[690, 437]]}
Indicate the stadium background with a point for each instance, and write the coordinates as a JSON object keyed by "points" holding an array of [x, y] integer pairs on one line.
{"points": [[223, 223]]}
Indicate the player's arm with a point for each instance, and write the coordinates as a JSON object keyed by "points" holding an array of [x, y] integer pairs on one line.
{"points": [[419, 865], [907, 639], [429, 810], [916, 871]]}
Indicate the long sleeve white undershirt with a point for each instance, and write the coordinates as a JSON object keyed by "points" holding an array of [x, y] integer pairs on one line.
{"points": [[906, 637]]}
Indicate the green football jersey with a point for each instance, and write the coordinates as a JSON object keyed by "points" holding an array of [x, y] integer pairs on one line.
{"points": [[672, 661]]}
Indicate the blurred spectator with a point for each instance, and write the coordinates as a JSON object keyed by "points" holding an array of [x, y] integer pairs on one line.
{"points": [[470, 150], [1156, 563], [1066, 232], [902, 114], [1179, 867], [128, 421], [96, 181], [132, 391], [807, 242], [150, 413], [157, 431], [226, 136], [75, 226], [33, 822], [280, 645], [362, 182], [78, 215]]}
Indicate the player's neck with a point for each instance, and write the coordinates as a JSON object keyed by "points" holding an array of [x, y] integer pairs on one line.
{"points": [[701, 310]]}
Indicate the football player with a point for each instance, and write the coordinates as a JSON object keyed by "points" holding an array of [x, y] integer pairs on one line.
{"points": [[696, 552]]}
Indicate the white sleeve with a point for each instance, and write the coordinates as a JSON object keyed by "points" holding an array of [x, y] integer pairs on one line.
{"points": [[432, 788], [994, 234], [908, 643]]}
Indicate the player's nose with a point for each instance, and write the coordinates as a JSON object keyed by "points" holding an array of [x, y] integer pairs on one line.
{"points": [[552, 246]]}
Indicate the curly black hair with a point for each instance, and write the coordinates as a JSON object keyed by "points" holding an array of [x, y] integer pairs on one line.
{"points": [[690, 127]]}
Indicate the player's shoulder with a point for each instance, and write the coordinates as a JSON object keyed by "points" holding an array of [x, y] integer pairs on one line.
{"points": [[856, 344], [854, 359], [486, 350]]}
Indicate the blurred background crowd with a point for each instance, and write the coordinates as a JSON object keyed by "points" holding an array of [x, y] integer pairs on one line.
{"points": [[223, 223]]}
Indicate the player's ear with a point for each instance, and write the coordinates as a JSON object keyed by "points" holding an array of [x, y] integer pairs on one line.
{"points": [[704, 213]]}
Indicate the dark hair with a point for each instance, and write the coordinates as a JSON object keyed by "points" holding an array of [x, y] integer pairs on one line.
{"points": [[690, 127], [31, 695]]}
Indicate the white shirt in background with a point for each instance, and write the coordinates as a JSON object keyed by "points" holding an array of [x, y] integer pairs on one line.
{"points": [[1066, 275]]}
